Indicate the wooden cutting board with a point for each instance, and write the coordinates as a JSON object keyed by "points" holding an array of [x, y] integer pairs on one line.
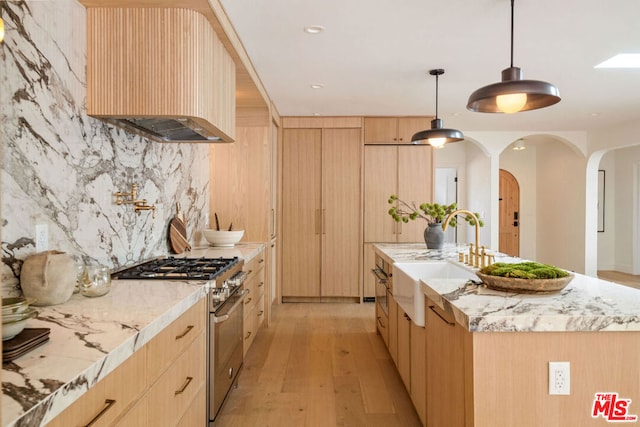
{"points": [[178, 233]]}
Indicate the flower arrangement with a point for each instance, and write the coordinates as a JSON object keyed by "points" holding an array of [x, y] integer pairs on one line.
{"points": [[433, 213]]}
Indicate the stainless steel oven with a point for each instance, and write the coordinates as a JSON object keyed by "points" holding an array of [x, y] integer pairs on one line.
{"points": [[225, 342], [382, 272], [225, 279]]}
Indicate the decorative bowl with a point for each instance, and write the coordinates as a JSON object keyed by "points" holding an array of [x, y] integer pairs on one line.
{"points": [[513, 284], [223, 237], [15, 324], [14, 305]]}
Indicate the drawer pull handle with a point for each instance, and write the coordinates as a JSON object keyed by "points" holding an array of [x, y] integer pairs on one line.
{"points": [[432, 308], [182, 335], [247, 301], [108, 403], [261, 284], [184, 387], [380, 323], [260, 313], [248, 335], [261, 260]]}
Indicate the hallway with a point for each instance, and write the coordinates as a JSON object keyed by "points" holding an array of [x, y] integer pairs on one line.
{"points": [[319, 365]]}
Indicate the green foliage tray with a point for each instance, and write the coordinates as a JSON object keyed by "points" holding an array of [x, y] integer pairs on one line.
{"points": [[513, 284]]}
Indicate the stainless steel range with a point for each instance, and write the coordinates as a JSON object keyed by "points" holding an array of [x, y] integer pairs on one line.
{"points": [[225, 325]]}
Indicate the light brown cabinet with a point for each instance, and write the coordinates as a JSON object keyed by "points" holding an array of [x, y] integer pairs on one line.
{"points": [[418, 361], [391, 169], [392, 344], [240, 183], [445, 368], [404, 348], [393, 130], [254, 308], [158, 385], [320, 234], [382, 324]]}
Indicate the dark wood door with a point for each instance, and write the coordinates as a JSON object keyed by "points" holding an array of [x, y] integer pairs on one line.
{"points": [[509, 213]]}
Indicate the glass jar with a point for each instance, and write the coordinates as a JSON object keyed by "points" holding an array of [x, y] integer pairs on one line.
{"points": [[97, 281]]}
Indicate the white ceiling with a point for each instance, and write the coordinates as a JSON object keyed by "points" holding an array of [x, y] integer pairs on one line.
{"points": [[374, 55]]}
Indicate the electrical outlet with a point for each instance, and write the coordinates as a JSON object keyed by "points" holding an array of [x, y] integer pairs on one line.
{"points": [[42, 237], [559, 378]]}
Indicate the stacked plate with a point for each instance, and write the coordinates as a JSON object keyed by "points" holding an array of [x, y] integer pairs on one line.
{"points": [[15, 313]]}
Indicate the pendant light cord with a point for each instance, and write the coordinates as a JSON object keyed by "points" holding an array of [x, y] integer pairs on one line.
{"points": [[437, 95], [512, 1]]}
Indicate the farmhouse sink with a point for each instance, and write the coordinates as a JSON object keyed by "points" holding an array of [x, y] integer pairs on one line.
{"points": [[406, 283]]}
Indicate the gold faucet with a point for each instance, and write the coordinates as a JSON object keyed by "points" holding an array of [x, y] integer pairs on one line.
{"points": [[132, 198], [474, 255], [141, 205], [122, 197]]}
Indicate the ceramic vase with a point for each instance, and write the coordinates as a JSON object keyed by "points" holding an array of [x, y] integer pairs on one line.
{"points": [[434, 236], [48, 277]]}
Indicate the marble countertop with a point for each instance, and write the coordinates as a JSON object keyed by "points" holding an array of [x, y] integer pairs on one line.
{"points": [[586, 304], [90, 337]]}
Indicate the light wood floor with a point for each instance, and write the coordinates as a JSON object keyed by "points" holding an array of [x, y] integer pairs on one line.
{"points": [[319, 365], [622, 278]]}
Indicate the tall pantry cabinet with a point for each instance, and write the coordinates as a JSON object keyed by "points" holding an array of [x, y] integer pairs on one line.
{"points": [[393, 166], [321, 213]]}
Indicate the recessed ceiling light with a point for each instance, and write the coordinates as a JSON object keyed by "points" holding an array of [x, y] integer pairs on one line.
{"points": [[314, 29], [317, 114], [317, 86], [621, 60]]}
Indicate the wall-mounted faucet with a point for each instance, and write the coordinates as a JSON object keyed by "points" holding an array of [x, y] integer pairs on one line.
{"points": [[131, 198]]}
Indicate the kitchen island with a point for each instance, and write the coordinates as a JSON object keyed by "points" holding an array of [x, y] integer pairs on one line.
{"points": [[487, 352], [92, 337]]}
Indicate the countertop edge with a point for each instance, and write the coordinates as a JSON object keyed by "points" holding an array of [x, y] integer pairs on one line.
{"points": [[55, 403]]}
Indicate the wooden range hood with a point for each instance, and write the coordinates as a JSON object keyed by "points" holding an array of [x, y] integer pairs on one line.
{"points": [[160, 72]]}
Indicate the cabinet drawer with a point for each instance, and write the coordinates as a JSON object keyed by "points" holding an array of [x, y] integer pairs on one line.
{"points": [[249, 332], [110, 397], [382, 324], [258, 313], [197, 411], [173, 393], [168, 344], [255, 265]]}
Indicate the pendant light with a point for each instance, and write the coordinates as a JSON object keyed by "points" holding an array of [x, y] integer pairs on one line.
{"points": [[513, 94], [437, 136]]}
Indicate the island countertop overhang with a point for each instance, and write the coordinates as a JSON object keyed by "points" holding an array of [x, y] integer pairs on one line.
{"points": [[587, 304]]}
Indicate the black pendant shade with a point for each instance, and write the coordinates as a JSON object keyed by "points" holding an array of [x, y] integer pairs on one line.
{"points": [[513, 94], [437, 136]]}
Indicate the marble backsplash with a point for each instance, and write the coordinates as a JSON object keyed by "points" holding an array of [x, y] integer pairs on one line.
{"points": [[61, 168]]}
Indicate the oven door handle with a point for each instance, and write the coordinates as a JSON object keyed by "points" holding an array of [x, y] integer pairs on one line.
{"points": [[232, 309], [380, 275]]}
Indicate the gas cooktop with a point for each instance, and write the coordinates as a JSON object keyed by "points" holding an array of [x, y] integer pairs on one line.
{"points": [[172, 268]]}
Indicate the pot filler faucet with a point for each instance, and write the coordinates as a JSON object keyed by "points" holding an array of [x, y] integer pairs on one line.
{"points": [[131, 198], [476, 258]]}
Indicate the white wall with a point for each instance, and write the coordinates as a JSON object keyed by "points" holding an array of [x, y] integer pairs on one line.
{"points": [[474, 172], [606, 239], [560, 206], [624, 214]]}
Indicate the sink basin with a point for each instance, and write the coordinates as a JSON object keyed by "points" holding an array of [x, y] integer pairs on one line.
{"points": [[406, 283]]}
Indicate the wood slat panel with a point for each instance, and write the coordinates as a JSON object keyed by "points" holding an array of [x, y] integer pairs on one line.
{"points": [[147, 62]]}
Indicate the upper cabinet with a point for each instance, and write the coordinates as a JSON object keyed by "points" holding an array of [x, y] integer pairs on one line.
{"points": [[160, 72], [393, 130], [395, 169]]}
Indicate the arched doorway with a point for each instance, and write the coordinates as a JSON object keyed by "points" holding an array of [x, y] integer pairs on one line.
{"points": [[509, 214]]}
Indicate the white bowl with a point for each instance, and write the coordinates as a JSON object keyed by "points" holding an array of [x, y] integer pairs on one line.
{"points": [[14, 305], [16, 317], [223, 237], [11, 329]]}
